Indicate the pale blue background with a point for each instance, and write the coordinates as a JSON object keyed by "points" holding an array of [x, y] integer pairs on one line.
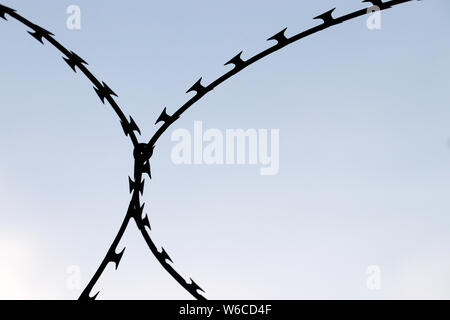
{"points": [[364, 176]]}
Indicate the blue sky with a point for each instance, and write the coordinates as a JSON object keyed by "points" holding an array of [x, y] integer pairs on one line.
{"points": [[364, 151]]}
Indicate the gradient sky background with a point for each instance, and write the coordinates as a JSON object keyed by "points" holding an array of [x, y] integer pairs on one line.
{"points": [[364, 177]]}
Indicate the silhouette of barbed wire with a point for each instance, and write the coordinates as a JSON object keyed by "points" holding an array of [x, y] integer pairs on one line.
{"points": [[143, 152]]}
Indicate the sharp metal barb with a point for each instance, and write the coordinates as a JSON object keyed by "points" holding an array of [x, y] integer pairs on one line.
{"points": [[116, 257], [146, 222], [280, 37], [195, 286], [5, 10], [164, 256], [237, 61], [164, 117], [93, 298], [73, 60], [129, 127], [139, 187], [197, 87], [104, 92], [39, 33], [327, 17]]}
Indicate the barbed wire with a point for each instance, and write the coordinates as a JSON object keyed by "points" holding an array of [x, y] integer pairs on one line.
{"points": [[143, 152], [141, 165]]}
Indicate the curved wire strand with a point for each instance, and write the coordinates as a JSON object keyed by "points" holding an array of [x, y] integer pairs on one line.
{"points": [[74, 61], [240, 64]]}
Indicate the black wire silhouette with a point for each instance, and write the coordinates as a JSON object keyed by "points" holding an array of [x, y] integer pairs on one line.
{"points": [[143, 151]]}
